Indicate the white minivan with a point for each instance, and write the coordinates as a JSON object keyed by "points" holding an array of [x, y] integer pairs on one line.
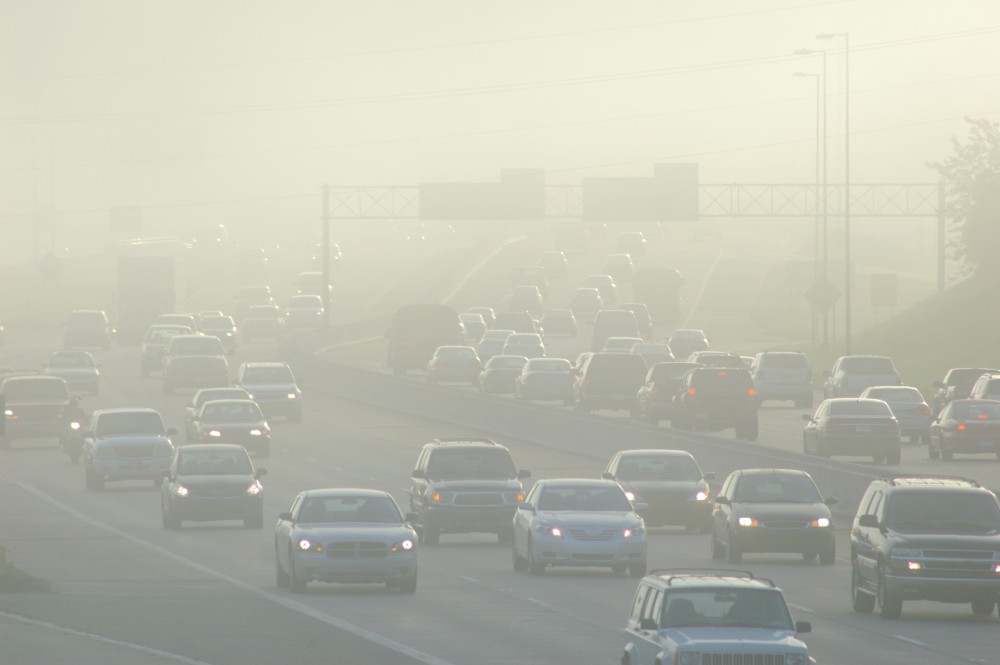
{"points": [[783, 375]]}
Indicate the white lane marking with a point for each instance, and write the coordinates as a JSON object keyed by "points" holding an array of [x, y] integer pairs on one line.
{"points": [[470, 579], [101, 638], [287, 603], [801, 609], [910, 640], [537, 602]]}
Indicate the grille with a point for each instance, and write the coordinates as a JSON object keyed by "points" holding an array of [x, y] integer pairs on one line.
{"points": [[986, 555], [478, 500], [31, 413], [742, 659], [583, 534], [593, 557], [216, 494], [134, 452], [356, 550], [785, 524], [959, 568]]}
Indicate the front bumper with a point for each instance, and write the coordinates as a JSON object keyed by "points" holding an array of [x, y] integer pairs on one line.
{"points": [[470, 519], [568, 551], [801, 540], [148, 468], [944, 589], [394, 568], [206, 508]]}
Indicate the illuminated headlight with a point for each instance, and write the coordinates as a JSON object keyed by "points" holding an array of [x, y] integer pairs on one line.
{"points": [[256, 432], [249, 396], [292, 395], [305, 545], [74, 426], [689, 658], [630, 496], [634, 531], [747, 521], [8, 413], [795, 659], [402, 546], [441, 497], [254, 490], [701, 496], [180, 490], [513, 497], [996, 568], [821, 522], [214, 433], [914, 565], [553, 531]]}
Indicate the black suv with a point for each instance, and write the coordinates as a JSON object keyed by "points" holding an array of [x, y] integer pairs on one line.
{"points": [[957, 384], [37, 406], [925, 538], [465, 486], [713, 399]]}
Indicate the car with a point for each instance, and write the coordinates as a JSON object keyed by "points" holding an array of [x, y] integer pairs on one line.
{"points": [[263, 321], [578, 522], [969, 426], [925, 538], [853, 426], [717, 359], [251, 262], [711, 399], [192, 408], [529, 345], [500, 374], [87, 328], [250, 296], [488, 314], [772, 510], [987, 386], [77, 368], [178, 319], [223, 327], [546, 379], [619, 266], [711, 617], [586, 302], [126, 444], [154, 345], [465, 486], [475, 327], [519, 322], [670, 483], [335, 253], [238, 421], [559, 322], [193, 345], [643, 320], [345, 535], [531, 276], [653, 352], [655, 399], [909, 408], [272, 385], [555, 263], [304, 312], [454, 363], [957, 384], [526, 297], [417, 330], [612, 323], [783, 375], [610, 381], [194, 372], [606, 285], [850, 375], [492, 343], [211, 482], [631, 242], [311, 283], [35, 407], [621, 344], [685, 341]]}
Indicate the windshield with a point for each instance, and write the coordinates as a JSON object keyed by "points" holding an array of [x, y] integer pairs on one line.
{"points": [[549, 365], [196, 346], [506, 362], [86, 319], [35, 388], [194, 462], [71, 360], [211, 394], [658, 467], [130, 422], [587, 498], [268, 375], [263, 313], [975, 411], [776, 488], [217, 323], [868, 407], [895, 394], [784, 361], [867, 365], [358, 509], [231, 412], [943, 512], [162, 335], [471, 464], [687, 335], [753, 608]]}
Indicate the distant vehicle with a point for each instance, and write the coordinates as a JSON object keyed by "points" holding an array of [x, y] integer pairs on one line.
{"points": [[348, 536], [336, 257], [653, 352], [201, 484], [249, 296], [621, 344], [36, 407], [193, 345], [194, 372], [154, 345], [852, 374], [660, 289], [87, 328], [670, 483], [500, 374], [610, 381], [416, 331], [631, 242], [555, 263], [685, 341], [454, 363], [185, 320], [492, 343], [193, 407], [263, 321], [957, 384], [908, 407], [656, 396], [642, 318], [528, 298], [489, 316], [304, 312], [546, 379], [312, 284], [238, 421], [620, 267], [772, 510], [559, 322], [475, 327], [783, 375], [529, 345], [853, 426], [717, 359], [612, 323], [77, 368], [606, 285], [518, 321], [586, 302], [987, 386], [126, 444], [969, 426], [222, 327], [272, 385], [531, 276], [713, 399]]}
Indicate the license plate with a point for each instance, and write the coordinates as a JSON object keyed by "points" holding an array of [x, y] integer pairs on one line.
{"points": [[863, 429]]}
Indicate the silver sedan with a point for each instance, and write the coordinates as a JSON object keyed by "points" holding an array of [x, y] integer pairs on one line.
{"points": [[354, 536]]}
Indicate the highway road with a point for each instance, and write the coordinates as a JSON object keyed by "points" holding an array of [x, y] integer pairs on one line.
{"points": [[126, 590]]}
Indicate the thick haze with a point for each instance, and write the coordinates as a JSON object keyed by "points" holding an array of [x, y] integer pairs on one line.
{"points": [[255, 104]]}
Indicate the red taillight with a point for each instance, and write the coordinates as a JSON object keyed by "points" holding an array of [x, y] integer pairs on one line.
{"points": [[586, 382], [751, 392], [691, 391], [922, 411], [720, 373], [982, 416], [960, 427]]}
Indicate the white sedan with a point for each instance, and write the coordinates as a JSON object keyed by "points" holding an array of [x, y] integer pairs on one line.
{"points": [[354, 536], [579, 522]]}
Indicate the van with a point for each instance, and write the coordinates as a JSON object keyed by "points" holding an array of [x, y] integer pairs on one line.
{"points": [[783, 375], [610, 381], [612, 323]]}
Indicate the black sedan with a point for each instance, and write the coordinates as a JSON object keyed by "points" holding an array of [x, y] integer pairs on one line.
{"points": [[772, 510], [656, 395], [500, 374], [212, 482], [966, 426], [853, 426], [237, 421], [669, 482]]}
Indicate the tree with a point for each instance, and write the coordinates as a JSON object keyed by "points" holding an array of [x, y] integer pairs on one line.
{"points": [[971, 177]]}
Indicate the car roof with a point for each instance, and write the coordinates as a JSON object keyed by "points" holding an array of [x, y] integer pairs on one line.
{"points": [[577, 482], [774, 472], [344, 491], [929, 481], [711, 578], [456, 442], [137, 409], [210, 447], [263, 363], [843, 400], [659, 452], [230, 400]]}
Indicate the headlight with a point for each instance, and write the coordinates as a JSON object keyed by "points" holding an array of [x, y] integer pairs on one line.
{"points": [[214, 433], [630, 496], [306, 545], [689, 658], [254, 490], [513, 497], [441, 497], [701, 496], [180, 490], [249, 396], [402, 546], [292, 395], [795, 659], [256, 432], [822, 522], [74, 426], [8, 413], [747, 521], [553, 531], [634, 531]]}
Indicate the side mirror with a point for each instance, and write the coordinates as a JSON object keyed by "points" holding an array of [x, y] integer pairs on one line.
{"points": [[261, 472], [722, 500], [411, 518], [803, 627], [418, 473], [523, 474], [524, 505], [868, 521], [709, 475], [831, 501], [285, 516], [648, 624]]}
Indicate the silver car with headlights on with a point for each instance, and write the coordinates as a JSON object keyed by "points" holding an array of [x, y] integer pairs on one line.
{"points": [[215, 481], [579, 522], [353, 536]]}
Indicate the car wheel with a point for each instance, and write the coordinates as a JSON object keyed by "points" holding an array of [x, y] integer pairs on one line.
{"points": [[295, 583], [860, 601], [805, 446], [431, 535], [170, 521], [878, 459], [520, 564], [894, 456], [639, 569], [983, 607], [280, 576], [932, 452], [828, 556], [890, 605], [733, 553], [618, 569], [409, 585], [718, 552], [534, 567]]}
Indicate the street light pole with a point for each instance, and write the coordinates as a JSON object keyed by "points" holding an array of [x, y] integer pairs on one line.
{"points": [[823, 199], [816, 249], [847, 183]]}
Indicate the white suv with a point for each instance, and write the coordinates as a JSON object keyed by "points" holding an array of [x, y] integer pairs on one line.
{"points": [[783, 375], [691, 618]]}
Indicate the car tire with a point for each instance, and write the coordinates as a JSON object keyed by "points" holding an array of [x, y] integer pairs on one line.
{"points": [[295, 583], [280, 577], [894, 456], [171, 522], [519, 564], [639, 570], [718, 552], [860, 601], [409, 585], [828, 556], [890, 606], [534, 567], [983, 607], [932, 452], [733, 553], [809, 556], [805, 446]]}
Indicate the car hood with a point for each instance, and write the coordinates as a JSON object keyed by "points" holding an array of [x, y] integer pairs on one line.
{"points": [[487, 485], [71, 371], [132, 439], [222, 481], [269, 387], [390, 533], [781, 511], [735, 638], [947, 541], [589, 518], [667, 488]]}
